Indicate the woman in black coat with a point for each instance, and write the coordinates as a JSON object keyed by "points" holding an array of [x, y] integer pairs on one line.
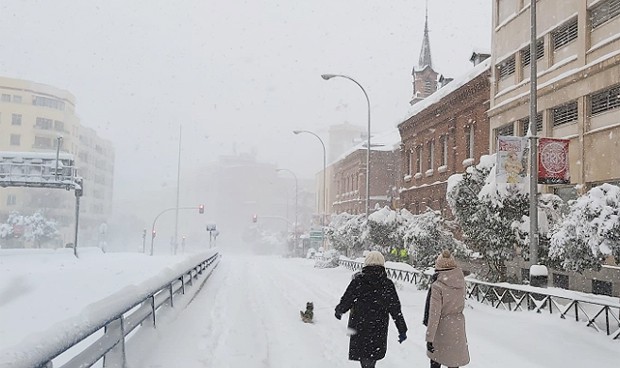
{"points": [[371, 298]]}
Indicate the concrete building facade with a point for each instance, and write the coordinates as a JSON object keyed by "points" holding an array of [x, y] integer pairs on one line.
{"points": [[578, 81], [32, 117]]}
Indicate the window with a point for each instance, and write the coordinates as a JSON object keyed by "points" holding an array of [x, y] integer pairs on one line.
{"points": [[11, 200], [15, 139], [604, 12], [564, 34], [16, 119], [540, 52], [6, 97], [431, 154], [560, 280], [469, 141], [601, 287], [59, 126], [17, 99], [444, 150], [48, 102], [565, 114], [408, 163], [605, 101], [428, 87], [567, 193], [42, 142], [506, 130], [526, 124], [43, 123], [506, 68], [419, 158]]}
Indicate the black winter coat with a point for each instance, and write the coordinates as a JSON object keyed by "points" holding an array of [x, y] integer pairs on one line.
{"points": [[371, 297]]}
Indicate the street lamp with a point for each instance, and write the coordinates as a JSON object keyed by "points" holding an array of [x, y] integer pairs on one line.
{"points": [[296, 194], [324, 178], [330, 76], [176, 215]]}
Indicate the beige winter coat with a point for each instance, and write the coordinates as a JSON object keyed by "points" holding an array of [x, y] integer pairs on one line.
{"points": [[446, 322]]}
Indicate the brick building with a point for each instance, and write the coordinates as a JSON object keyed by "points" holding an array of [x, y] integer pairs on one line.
{"points": [[445, 133], [349, 175]]}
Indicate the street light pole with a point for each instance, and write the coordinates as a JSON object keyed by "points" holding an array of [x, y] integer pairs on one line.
{"points": [[296, 202], [330, 76], [324, 179], [533, 140], [176, 215]]}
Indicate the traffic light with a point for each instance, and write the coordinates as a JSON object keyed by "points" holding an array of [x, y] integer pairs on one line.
{"points": [[154, 234], [254, 218], [201, 209]]}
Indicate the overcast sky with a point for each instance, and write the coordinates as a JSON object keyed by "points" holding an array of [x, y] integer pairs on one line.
{"points": [[237, 74]]}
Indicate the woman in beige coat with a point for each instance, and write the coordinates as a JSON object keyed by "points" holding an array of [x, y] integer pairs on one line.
{"points": [[446, 341]]}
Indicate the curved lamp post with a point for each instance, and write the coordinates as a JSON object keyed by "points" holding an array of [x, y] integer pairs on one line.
{"points": [[324, 177], [330, 76], [296, 193]]}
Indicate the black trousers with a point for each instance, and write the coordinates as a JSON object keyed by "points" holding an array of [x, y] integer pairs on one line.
{"points": [[367, 363], [434, 364]]}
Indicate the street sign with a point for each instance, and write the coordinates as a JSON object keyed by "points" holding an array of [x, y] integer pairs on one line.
{"points": [[316, 234]]}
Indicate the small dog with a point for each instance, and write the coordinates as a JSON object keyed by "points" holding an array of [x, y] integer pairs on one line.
{"points": [[308, 315]]}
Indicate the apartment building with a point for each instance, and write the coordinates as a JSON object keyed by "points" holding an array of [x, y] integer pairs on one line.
{"points": [[578, 61], [35, 118]]}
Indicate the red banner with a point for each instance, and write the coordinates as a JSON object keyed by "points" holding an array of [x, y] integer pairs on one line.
{"points": [[553, 161]]}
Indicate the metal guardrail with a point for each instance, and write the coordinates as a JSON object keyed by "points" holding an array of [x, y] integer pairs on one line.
{"points": [[601, 316], [111, 346]]}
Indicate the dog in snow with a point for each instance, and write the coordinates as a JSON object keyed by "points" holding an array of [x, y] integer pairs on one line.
{"points": [[308, 315]]}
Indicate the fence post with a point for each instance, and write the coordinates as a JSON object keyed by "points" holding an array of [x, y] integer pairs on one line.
{"points": [[115, 358]]}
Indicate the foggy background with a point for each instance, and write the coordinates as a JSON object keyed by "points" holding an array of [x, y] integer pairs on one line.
{"points": [[238, 75]]}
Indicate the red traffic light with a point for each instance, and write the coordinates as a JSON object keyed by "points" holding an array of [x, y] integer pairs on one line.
{"points": [[201, 209], [254, 218]]}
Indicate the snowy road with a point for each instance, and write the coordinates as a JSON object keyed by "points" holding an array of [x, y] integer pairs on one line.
{"points": [[247, 316]]}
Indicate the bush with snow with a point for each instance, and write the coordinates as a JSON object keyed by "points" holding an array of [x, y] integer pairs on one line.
{"points": [[347, 233], [590, 231], [494, 218], [426, 236], [37, 229]]}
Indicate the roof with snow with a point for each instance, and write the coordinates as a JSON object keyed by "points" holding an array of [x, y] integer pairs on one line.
{"points": [[449, 88], [386, 141]]}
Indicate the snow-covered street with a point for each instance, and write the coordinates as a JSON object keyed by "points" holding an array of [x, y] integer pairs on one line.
{"points": [[247, 315]]}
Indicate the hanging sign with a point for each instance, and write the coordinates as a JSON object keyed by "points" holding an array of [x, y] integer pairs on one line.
{"points": [[553, 161], [511, 160]]}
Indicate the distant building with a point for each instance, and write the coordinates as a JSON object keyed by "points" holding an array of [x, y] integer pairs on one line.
{"points": [[349, 175], [342, 137], [425, 78], [32, 117]]}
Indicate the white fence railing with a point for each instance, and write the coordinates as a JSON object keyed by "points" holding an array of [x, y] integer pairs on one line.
{"points": [[117, 326]]}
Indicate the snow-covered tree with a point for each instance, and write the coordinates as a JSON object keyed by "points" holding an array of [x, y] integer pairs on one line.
{"points": [[590, 231], [37, 229], [550, 208], [426, 236], [386, 228], [347, 233], [40, 229]]}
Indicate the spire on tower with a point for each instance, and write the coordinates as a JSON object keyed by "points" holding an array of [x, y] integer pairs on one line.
{"points": [[425, 52]]}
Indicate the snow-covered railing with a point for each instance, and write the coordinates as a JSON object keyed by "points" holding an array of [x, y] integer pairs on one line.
{"points": [[600, 313], [118, 321]]}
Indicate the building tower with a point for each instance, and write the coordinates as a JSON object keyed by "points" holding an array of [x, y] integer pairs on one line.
{"points": [[424, 77]]}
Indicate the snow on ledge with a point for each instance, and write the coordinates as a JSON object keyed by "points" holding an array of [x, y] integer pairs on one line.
{"points": [[539, 270]]}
